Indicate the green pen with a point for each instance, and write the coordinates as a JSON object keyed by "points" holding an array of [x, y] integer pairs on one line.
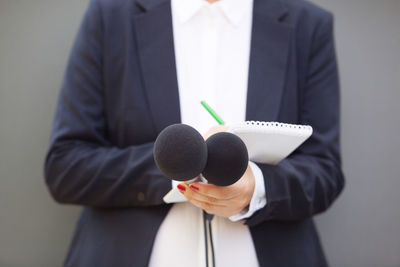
{"points": [[213, 113]]}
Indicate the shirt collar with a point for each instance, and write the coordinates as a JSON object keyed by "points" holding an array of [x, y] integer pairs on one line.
{"points": [[234, 10]]}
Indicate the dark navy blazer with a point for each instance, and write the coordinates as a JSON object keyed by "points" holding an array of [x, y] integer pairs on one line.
{"points": [[120, 90]]}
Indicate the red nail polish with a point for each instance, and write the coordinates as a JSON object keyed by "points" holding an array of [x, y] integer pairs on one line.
{"points": [[181, 187], [195, 188]]}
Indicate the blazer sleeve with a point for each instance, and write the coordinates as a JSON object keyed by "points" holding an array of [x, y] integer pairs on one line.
{"points": [[309, 180], [82, 166]]}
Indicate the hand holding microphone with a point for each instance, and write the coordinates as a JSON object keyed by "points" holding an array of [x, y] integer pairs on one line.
{"points": [[223, 201], [181, 154]]}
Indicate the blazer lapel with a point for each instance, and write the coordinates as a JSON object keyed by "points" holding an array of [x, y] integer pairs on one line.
{"points": [[268, 60], [154, 37]]}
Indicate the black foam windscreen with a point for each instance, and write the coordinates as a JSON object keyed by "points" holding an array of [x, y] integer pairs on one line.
{"points": [[227, 159], [180, 152]]}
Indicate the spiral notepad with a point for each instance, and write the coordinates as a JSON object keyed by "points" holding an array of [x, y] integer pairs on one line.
{"points": [[270, 142]]}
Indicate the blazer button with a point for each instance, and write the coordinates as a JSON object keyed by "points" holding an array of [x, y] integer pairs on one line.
{"points": [[141, 196]]}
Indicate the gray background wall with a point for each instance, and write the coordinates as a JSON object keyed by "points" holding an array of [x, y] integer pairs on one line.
{"points": [[361, 229]]}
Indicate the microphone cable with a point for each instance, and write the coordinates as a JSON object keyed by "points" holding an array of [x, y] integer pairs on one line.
{"points": [[207, 218]]}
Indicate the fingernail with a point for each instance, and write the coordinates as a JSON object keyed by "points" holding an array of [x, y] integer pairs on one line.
{"points": [[181, 187], [193, 187]]}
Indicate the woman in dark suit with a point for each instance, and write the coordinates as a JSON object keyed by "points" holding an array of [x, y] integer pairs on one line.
{"points": [[121, 90]]}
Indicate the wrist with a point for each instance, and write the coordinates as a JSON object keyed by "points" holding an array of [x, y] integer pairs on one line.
{"points": [[250, 187]]}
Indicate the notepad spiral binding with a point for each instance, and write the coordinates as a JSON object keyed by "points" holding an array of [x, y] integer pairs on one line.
{"points": [[271, 127]]}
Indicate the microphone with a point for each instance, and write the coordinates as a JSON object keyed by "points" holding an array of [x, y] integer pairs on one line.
{"points": [[227, 159], [181, 153]]}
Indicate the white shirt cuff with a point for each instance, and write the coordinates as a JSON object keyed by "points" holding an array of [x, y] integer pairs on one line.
{"points": [[259, 199]]}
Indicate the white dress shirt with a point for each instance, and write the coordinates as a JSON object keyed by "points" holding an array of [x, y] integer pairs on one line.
{"points": [[212, 50]]}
